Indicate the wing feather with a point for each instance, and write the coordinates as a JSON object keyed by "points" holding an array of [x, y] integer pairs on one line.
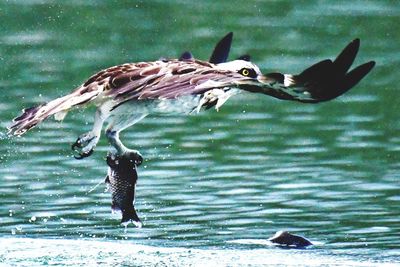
{"points": [[322, 81], [169, 80], [221, 50]]}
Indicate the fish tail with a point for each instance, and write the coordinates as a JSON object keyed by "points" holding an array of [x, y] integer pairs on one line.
{"points": [[130, 215]]}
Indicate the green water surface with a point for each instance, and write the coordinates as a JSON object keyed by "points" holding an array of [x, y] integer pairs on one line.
{"points": [[329, 171]]}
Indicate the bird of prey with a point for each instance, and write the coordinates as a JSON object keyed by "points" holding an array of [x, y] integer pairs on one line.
{"points": [[127, 93]]}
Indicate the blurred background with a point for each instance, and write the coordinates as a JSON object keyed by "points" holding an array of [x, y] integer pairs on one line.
{"points": [[222, 180]]}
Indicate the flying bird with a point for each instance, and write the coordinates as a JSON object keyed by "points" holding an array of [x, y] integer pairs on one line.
{"points": [[127, 93]]}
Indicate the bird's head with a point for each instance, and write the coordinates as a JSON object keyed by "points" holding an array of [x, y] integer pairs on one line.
{"points": [[322, 81], [247, 76], [248, 72], [238, 73]]}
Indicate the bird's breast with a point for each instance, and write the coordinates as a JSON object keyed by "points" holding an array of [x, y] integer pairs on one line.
{"points": [[182, 104], [190, 103]]}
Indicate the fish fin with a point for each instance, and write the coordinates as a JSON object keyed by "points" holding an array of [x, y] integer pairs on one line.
{"points": [[284, 238], [107, 179], [94, 187], [130, 215], [115, 208]]}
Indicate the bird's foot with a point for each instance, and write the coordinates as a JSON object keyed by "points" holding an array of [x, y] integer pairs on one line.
{"points": [[132, 156], [85, 144], [121, 150]]}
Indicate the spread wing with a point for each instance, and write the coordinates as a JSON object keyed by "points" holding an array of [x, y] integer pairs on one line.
{"points": [[322, 81], [169, 80]]}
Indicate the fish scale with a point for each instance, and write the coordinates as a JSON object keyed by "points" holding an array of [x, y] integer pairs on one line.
{"points": [[121, 181]]}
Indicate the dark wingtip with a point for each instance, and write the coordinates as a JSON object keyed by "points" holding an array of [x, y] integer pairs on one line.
{"points": [[356, 75], [372, 63], [317, 71], [350, 80], [353, 45], [346, 58], [228, 37], [221, 50], [357, 40]]}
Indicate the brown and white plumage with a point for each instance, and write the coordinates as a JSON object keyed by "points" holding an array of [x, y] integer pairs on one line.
{"points": [[126, 93], [166, 79]]}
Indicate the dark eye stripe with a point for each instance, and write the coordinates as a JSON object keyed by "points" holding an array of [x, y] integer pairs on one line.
{"points": [[248, 72]]}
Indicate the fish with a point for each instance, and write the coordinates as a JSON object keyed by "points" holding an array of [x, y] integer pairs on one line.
{"points": [[121, 182], [283, 238]]}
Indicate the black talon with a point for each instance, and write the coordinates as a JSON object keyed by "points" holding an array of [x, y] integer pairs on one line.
{"points": [[84, 155], [75, 145], [78, 157], [78, 145]]}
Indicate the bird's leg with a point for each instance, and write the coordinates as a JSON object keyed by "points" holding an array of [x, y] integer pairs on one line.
{"points": [[118, 122], [86, 142], [121, 150]]}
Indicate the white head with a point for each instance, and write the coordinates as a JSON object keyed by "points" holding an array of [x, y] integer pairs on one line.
{"points": [[243, 67]]}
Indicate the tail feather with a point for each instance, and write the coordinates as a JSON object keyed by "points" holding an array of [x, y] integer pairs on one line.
{"points": [[58, 107]]}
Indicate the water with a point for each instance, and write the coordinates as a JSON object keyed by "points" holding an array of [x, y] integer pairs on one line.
{"points": [[216, 185]]}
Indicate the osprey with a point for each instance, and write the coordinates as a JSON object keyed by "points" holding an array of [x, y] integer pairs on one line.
{"points": [[127, 93]]}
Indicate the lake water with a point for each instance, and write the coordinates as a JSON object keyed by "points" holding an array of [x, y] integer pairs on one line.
{"points": [[215, 185]]}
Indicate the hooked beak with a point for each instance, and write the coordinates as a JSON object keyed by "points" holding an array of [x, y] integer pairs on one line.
{"points": [[261, 84], [262, 79]]}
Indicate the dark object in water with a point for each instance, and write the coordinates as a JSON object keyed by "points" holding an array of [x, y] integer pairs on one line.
{"points": [[121, 180], [284, 238]]}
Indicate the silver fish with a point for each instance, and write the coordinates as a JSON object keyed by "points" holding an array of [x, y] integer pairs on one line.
{"points": [[121, 181]]}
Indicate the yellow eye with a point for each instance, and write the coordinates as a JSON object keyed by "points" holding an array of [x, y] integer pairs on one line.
{"points": [[248, 72]]}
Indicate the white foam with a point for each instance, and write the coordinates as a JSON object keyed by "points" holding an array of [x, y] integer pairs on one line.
{"points": [[61, 252]]}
